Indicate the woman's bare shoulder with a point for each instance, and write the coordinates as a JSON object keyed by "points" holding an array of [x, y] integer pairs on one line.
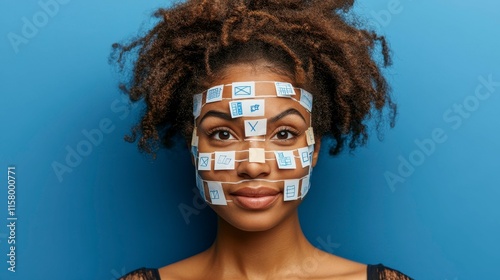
{"points": [[188, 268], [335, 267]]}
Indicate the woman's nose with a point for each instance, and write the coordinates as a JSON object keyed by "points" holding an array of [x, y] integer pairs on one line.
{"points": [[256, 166]]}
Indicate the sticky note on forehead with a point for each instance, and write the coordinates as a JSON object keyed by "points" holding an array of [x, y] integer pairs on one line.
{"points": [[247, 108], [197, 103], [215, 94], [284, 89], [243, 90], [306, 99]]}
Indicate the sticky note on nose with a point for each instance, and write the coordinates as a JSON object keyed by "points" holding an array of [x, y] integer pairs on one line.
{"points": [[256, 155], [255, 127]]}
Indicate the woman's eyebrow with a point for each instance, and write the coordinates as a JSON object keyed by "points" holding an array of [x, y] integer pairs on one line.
{"points": [[217, 114], [283, 114]]}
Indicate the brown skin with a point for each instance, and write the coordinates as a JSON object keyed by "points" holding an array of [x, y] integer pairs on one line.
{"points": [[271, 246]]}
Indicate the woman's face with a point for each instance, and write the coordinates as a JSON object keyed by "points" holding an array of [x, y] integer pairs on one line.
{"points": [[254, 186]]}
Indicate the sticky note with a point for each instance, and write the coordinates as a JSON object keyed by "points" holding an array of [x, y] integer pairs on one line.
{"points": [[306, 99], [224, 160], [243, 90], [305, 186], [304, 156], [284, 89], [194, 151], [204, 161], [194, 138], [217, 196], [200, 186], [214, 94], [256, 155], [285, 159], [255, 127], [197, 98], [291, 190], [310, 136], [247, 108]]}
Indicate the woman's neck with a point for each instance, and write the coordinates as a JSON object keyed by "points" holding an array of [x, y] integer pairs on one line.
{"points": [[243, 254]]}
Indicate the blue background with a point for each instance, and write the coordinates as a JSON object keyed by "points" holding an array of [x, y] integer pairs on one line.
{"points": [[118, 210]]}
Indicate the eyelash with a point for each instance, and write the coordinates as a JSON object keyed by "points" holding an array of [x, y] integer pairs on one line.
{"points": [[214, 133], [294, 133]]}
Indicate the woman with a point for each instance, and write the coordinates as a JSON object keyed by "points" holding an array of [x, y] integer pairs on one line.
{"points": [[254, 86]]}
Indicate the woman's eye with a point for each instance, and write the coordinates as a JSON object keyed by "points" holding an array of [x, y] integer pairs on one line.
{"points": [[222, 135], [284, 135]]}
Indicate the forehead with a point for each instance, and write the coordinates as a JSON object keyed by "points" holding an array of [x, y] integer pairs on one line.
{"points": [[253, 99]]}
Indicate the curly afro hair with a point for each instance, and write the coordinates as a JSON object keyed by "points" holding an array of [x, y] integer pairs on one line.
{"points": [[316, 42]]}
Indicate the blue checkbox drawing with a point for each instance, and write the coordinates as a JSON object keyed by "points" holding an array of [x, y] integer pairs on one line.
{"points": [[243, 91]]}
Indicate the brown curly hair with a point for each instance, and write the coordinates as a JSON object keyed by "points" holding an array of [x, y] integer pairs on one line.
{"points": [[316, 42]]}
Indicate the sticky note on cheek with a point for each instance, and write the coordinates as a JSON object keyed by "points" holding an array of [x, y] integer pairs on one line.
{"points": [[285, 159], [217, 196], [304, 156], [310, 136], [305, 186], [204, 161], [256, 155], [291, 190], [194, 138], [224, 160]]}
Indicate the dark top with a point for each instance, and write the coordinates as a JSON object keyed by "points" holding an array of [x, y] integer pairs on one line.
{"points": [[374, 272]]}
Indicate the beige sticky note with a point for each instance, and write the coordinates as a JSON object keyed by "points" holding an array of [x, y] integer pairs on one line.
{"points": [[256, 155], [194, 138], [310, 136]]}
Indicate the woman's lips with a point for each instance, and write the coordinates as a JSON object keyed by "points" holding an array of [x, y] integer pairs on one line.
{"points": [[255, 198]]}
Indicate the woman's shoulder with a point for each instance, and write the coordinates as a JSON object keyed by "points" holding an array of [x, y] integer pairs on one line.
{"points": [[381, 272], [183, 268], [142, 274]]}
